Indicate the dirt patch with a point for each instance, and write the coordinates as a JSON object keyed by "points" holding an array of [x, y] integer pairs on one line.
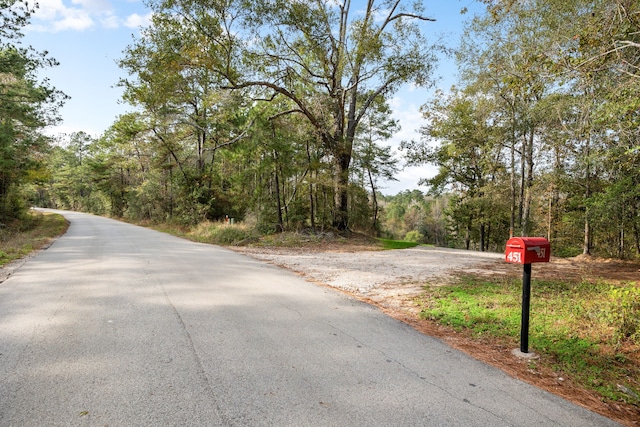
{"points": [[392, 280]]}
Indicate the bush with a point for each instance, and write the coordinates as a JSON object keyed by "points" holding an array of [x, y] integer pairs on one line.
{"points": [[623, 313], [414, 236], [229, 235], [221, 233]]}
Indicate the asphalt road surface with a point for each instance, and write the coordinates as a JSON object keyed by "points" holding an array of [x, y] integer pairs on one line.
{"points": [[117, 325]]}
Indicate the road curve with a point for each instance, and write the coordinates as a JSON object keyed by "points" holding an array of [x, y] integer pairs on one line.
{"points": [[117, 325]]}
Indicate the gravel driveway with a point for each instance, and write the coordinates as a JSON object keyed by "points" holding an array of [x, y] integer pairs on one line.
{"points": [[378, 274]]}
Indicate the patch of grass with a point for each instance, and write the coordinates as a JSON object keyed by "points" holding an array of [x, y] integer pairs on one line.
{"points": [[397, 244], [292, 239], [570, 326], [217, 233], [31, 233]]}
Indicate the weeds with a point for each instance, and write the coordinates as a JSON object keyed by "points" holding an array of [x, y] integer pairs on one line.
{"points": [[623, 313], [31, 233], [220, 233]]}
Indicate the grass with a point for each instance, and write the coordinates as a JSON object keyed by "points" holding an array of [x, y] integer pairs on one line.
{"points": [[575, 327], [217, 233], [36, 230], [397, 244], [240, 233]]}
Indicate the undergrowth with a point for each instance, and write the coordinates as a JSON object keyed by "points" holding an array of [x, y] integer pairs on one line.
{"points": [[30, 233]]}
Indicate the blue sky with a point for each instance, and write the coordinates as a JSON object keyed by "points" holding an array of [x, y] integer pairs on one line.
{"points": [[87, 37]]}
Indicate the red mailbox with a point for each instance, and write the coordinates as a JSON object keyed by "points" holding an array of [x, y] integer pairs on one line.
{"points": [[525, 250]]}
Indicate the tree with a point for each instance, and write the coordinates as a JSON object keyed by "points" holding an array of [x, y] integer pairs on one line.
{"points": [[327, 58], [70, 184], [26, 105], [372, 160], [189, 118], [563, 76], [468, 154]]}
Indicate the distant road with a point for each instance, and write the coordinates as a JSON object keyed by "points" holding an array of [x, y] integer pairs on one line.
{"points": [[117, 325]]}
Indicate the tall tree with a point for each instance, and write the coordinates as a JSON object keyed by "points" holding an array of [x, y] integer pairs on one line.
{"points": [[190, 118], [373, 160], [468, 154], [330, 59], [26, 105]]}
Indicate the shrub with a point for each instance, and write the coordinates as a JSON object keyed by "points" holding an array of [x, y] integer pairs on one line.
{"points": [[228, 235], [623, 313], [414, 236], [220, 233]]}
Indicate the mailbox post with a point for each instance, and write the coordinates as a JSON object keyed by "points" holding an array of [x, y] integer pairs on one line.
{"points": [[526, 250]]}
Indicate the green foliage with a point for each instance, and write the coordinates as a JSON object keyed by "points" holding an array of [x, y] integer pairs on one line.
{"points": [[26, 106], [538, 138], [623, 313], [540, 135], [230, 236], [414, 236], [330, 86]]}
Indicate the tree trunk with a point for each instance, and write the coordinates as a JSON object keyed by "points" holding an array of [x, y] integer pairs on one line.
{"points": [[277, 185], [512, 183], [375, 199], [512, 175], [522, 181], [467, 236], [586, 245], [621, 242], [636, 228], [341, 216], [312, 211], [487, 238], [526, 213], [312, 214]]}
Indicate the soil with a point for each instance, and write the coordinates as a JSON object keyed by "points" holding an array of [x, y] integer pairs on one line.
{"points": [[392, 280]]}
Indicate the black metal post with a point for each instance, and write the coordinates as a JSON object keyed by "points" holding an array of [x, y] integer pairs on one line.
{"points": [[526, 301]]}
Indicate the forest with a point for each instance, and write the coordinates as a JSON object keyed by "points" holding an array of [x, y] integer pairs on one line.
{"points": [[277, 113]]}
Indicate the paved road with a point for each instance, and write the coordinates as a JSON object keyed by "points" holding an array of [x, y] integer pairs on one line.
{"points": [[116, 325]]}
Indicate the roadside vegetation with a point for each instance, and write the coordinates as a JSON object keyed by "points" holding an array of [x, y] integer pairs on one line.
{"points": [[583, 331], [243, 234], [34, 231]]}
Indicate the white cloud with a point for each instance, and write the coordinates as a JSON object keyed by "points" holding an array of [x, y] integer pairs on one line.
{"points": [[73, 19], [54, 16], [407, 112], [409, 117], [94, 5], [63, 129], [80, 15], [137, 21], [110, 21], [49, 9]]}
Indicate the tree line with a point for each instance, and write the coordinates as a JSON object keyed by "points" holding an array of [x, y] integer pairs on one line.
{"points": [[277, 113], [540, 137], [271, 109], [27, 104]]}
